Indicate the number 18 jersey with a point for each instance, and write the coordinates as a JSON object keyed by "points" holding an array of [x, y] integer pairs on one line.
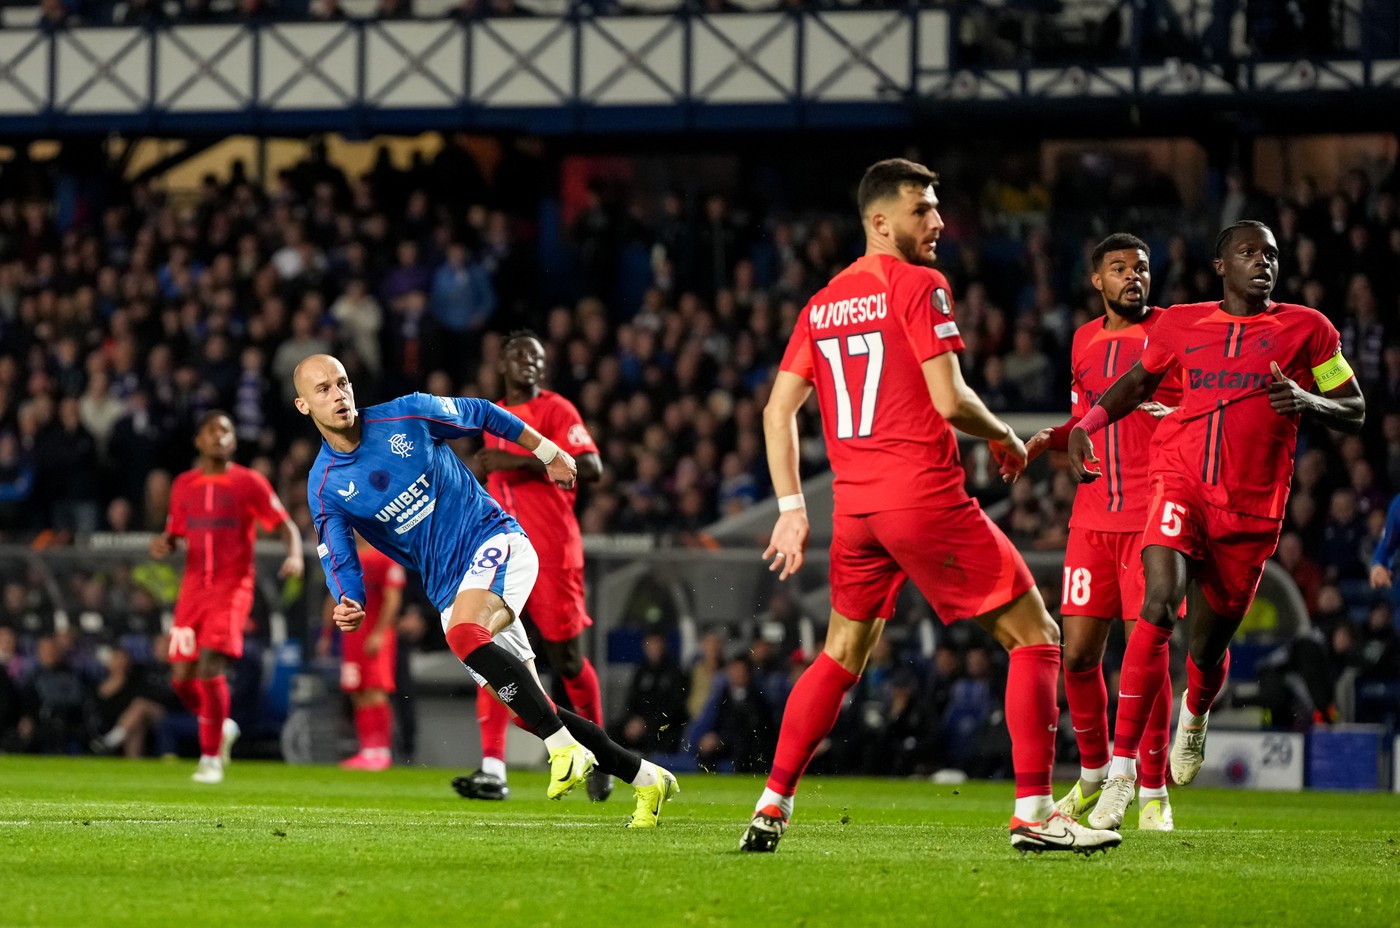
{"points": [[861, 341]]}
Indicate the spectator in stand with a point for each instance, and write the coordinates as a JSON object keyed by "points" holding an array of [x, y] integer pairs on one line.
{"points": [[53, 702], [463, 299], [1292, 558], [735, 727], [1342, 537], [655, 715]]}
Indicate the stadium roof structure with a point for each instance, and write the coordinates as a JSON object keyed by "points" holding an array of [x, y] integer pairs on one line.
{"points": [[580, 73]]}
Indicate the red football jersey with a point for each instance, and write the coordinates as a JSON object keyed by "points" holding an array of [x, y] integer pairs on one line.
{"points": [[1118, 501], [381, 573], [862, 341], [1226, 434], [217, 515], [542, 507]]}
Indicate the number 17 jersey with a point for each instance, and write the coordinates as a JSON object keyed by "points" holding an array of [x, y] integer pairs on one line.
{"points": [[861, 342]]}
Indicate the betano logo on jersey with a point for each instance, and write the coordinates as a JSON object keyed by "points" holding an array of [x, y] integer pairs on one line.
{"points": [[410, 507], [1229, 380], [850, 312]]}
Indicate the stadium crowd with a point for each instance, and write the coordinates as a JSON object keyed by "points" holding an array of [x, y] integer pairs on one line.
{"points": [[126, 313]]}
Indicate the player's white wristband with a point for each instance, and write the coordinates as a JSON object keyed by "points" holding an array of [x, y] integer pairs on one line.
{"points": [[789, 503], [547, 451]]}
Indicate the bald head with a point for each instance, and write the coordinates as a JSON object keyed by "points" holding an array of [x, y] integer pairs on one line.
{"points": [[324, 393], [313, 369]]}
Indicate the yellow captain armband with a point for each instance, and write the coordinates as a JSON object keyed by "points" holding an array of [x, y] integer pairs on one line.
{"points": [[1332, 373]]}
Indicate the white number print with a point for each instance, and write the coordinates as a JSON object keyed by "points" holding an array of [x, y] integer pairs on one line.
{"points": [[1171, 519], [871, 344], [1077, 580], [182, 643]]}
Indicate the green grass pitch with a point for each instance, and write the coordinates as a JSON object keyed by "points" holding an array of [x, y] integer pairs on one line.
{"points": [[96, 843]]}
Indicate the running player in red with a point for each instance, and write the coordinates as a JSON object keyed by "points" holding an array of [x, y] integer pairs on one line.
{"points": [[880, 347], [1103, 570], [1220, 470], [368, 657], [216, 508], [546, 512]]}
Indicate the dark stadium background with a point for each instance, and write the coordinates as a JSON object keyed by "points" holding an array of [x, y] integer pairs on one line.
{"points": [[177, 229]]}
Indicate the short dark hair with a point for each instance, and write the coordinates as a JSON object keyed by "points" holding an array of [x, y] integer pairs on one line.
{"points": [[518, 335], [1222, 241], [1118, 241], [210, 416], [883, 179]]}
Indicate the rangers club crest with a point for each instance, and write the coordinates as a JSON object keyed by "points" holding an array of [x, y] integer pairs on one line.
{"points": [[507, 693], [400, 445], [941, 302]]}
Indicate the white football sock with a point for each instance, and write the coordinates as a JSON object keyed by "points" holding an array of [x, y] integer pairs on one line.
{"points": [[494, 766], [560, 739], [1147, 793], [1123, 767], [1093, 776], [1034, 808], [771, 798], [648, 775]]}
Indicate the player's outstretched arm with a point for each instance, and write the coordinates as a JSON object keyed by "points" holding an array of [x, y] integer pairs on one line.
{"points": [[788, 543], [1342, 408], [1127, 393], [960, 405], [558, 463]]}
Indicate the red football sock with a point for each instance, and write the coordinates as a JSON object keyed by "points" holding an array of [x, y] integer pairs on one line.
{"points": [[1146, 669], [213, 711], [1202, 686], [383, 726], [375, 726], [1152, 764], [584, 693], [493, 717], [1031, 716], [1088, 713], [811, 712], [188, 691], [364, 726]]}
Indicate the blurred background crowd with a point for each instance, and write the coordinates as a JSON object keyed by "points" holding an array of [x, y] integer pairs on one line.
{"points": [[664, 288]]}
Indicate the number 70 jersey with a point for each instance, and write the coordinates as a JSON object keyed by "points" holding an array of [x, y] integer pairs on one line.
{"points": [[861, 342]]}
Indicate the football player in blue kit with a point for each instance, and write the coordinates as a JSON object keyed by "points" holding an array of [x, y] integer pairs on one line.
{"points": [[387, 472]]}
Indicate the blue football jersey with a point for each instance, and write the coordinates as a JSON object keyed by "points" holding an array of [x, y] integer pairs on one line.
{"points": [[408, 494]]}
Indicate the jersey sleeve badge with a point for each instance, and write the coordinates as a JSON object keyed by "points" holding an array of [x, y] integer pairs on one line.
{"points": [[941, 301]]}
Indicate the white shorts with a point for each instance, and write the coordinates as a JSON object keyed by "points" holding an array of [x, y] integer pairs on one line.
{"points": [[507, 565]]}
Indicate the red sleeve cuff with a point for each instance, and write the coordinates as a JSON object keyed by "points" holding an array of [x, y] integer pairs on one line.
{"points": [[1059, 435]]}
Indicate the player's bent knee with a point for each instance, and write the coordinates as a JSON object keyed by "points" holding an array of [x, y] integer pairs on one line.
{"points": [[1023, 622], [1159, 609], [849, 642], [1080, 661]]}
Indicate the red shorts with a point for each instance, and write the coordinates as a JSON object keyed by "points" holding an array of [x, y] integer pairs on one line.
{"points": [[359, 671], [211, 620], [955, 555], [1103, 575], [1229, 548], [555, 604]]}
